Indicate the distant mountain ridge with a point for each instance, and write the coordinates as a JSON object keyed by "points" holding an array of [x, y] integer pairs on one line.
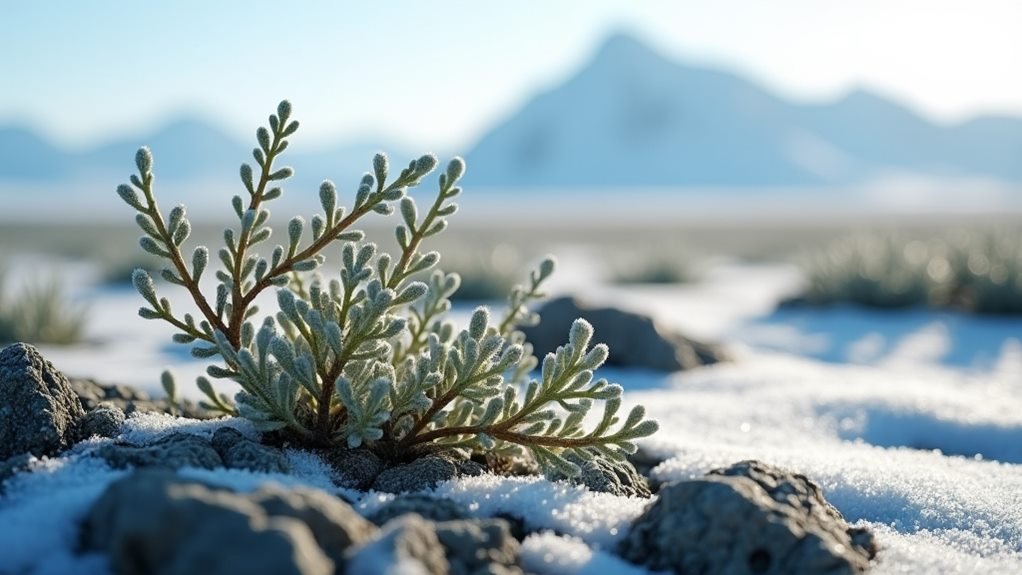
{"points": [[186, 149], [631, 117]]}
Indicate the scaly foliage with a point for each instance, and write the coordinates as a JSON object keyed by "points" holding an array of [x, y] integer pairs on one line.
{"points": [[368, 358]]}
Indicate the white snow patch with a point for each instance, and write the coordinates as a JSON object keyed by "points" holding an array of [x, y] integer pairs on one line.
{"points": [[550, 554]]}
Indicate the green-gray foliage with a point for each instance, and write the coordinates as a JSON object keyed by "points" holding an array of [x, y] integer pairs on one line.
{"points": [[41, 314], [367, 358], [660, 270], [972, 271]]}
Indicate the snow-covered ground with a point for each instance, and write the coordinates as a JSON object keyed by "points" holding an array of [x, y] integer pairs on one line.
{"points": [[910, 421]]}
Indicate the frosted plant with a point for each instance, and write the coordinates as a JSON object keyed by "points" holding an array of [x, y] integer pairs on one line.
{"points": [[367, 358]]}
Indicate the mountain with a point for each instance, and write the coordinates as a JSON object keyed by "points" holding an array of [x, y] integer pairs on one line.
{"points": [[186, 149], [631, 117], [26, 155], [628, 118]]}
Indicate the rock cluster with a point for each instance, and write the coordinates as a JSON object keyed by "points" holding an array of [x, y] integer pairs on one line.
{"points": [[748, 518], [635, 339], [153, 521], [130, 400]]}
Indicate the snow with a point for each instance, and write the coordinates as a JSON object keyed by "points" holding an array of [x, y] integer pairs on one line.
{"points": [[549, 553], [911, 422]]}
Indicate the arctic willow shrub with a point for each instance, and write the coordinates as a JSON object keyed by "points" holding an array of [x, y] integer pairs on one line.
{"points": [[41, 314], [367, 358], [967, 270]]}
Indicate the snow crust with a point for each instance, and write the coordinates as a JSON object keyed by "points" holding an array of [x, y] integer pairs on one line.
{"points": [[911, 423]]}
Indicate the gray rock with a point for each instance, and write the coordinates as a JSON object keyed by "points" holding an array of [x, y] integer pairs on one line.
{"points": [[269, 546], [410, 541], [643, 461], [510, 465], [333, 523], [155, 522], [635, 340], [731, 524], [358, 468], [104, 420], [427, 507], [788, 488], [225, 438], [467, 467], [131, 400], [38, 410], [606, 476], [169, 452], [240, 452], [479, 546], [423, 473]]}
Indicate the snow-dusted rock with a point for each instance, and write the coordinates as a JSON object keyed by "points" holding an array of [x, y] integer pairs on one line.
{"points": [[476, 547], [635, 340], [334, 524], [424, 473], [38, 410], [104, 420], [358, 468], [427, 506], [156, 522], [408, 544], [788, 488], [418, 475], [750, 518], [173, 451], [239, 452]]}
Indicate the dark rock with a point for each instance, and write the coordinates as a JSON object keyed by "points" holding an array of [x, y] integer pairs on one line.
{"points": [[104, 420], [333, 523], [788, 488], [169, 452], [431, 508], [469, 468], [635, 340], [12, 466], [479, 546], [155, 522], [644, 462], [38, 410], [730, 523], [131, 400], [358, 468], [409, 540], [516, 524], [239, 452], [423, 473], [270, 546], [225, 438], [508, 465], [606, 476]]}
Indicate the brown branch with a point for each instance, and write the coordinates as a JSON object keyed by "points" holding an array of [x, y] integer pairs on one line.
{"points": [[175, 257], [512, 436], [238, 306]]}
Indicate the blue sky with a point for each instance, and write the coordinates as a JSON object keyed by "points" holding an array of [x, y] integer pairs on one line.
{"points": [[436, 73]]}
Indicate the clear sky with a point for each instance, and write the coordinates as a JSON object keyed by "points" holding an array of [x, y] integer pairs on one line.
{"points": [[436, 73]]}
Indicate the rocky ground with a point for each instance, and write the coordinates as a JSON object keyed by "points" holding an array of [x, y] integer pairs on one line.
{"points": [[750, 517]]}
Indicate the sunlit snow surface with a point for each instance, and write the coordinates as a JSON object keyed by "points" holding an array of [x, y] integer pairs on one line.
{"points": [[911, 422]]}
